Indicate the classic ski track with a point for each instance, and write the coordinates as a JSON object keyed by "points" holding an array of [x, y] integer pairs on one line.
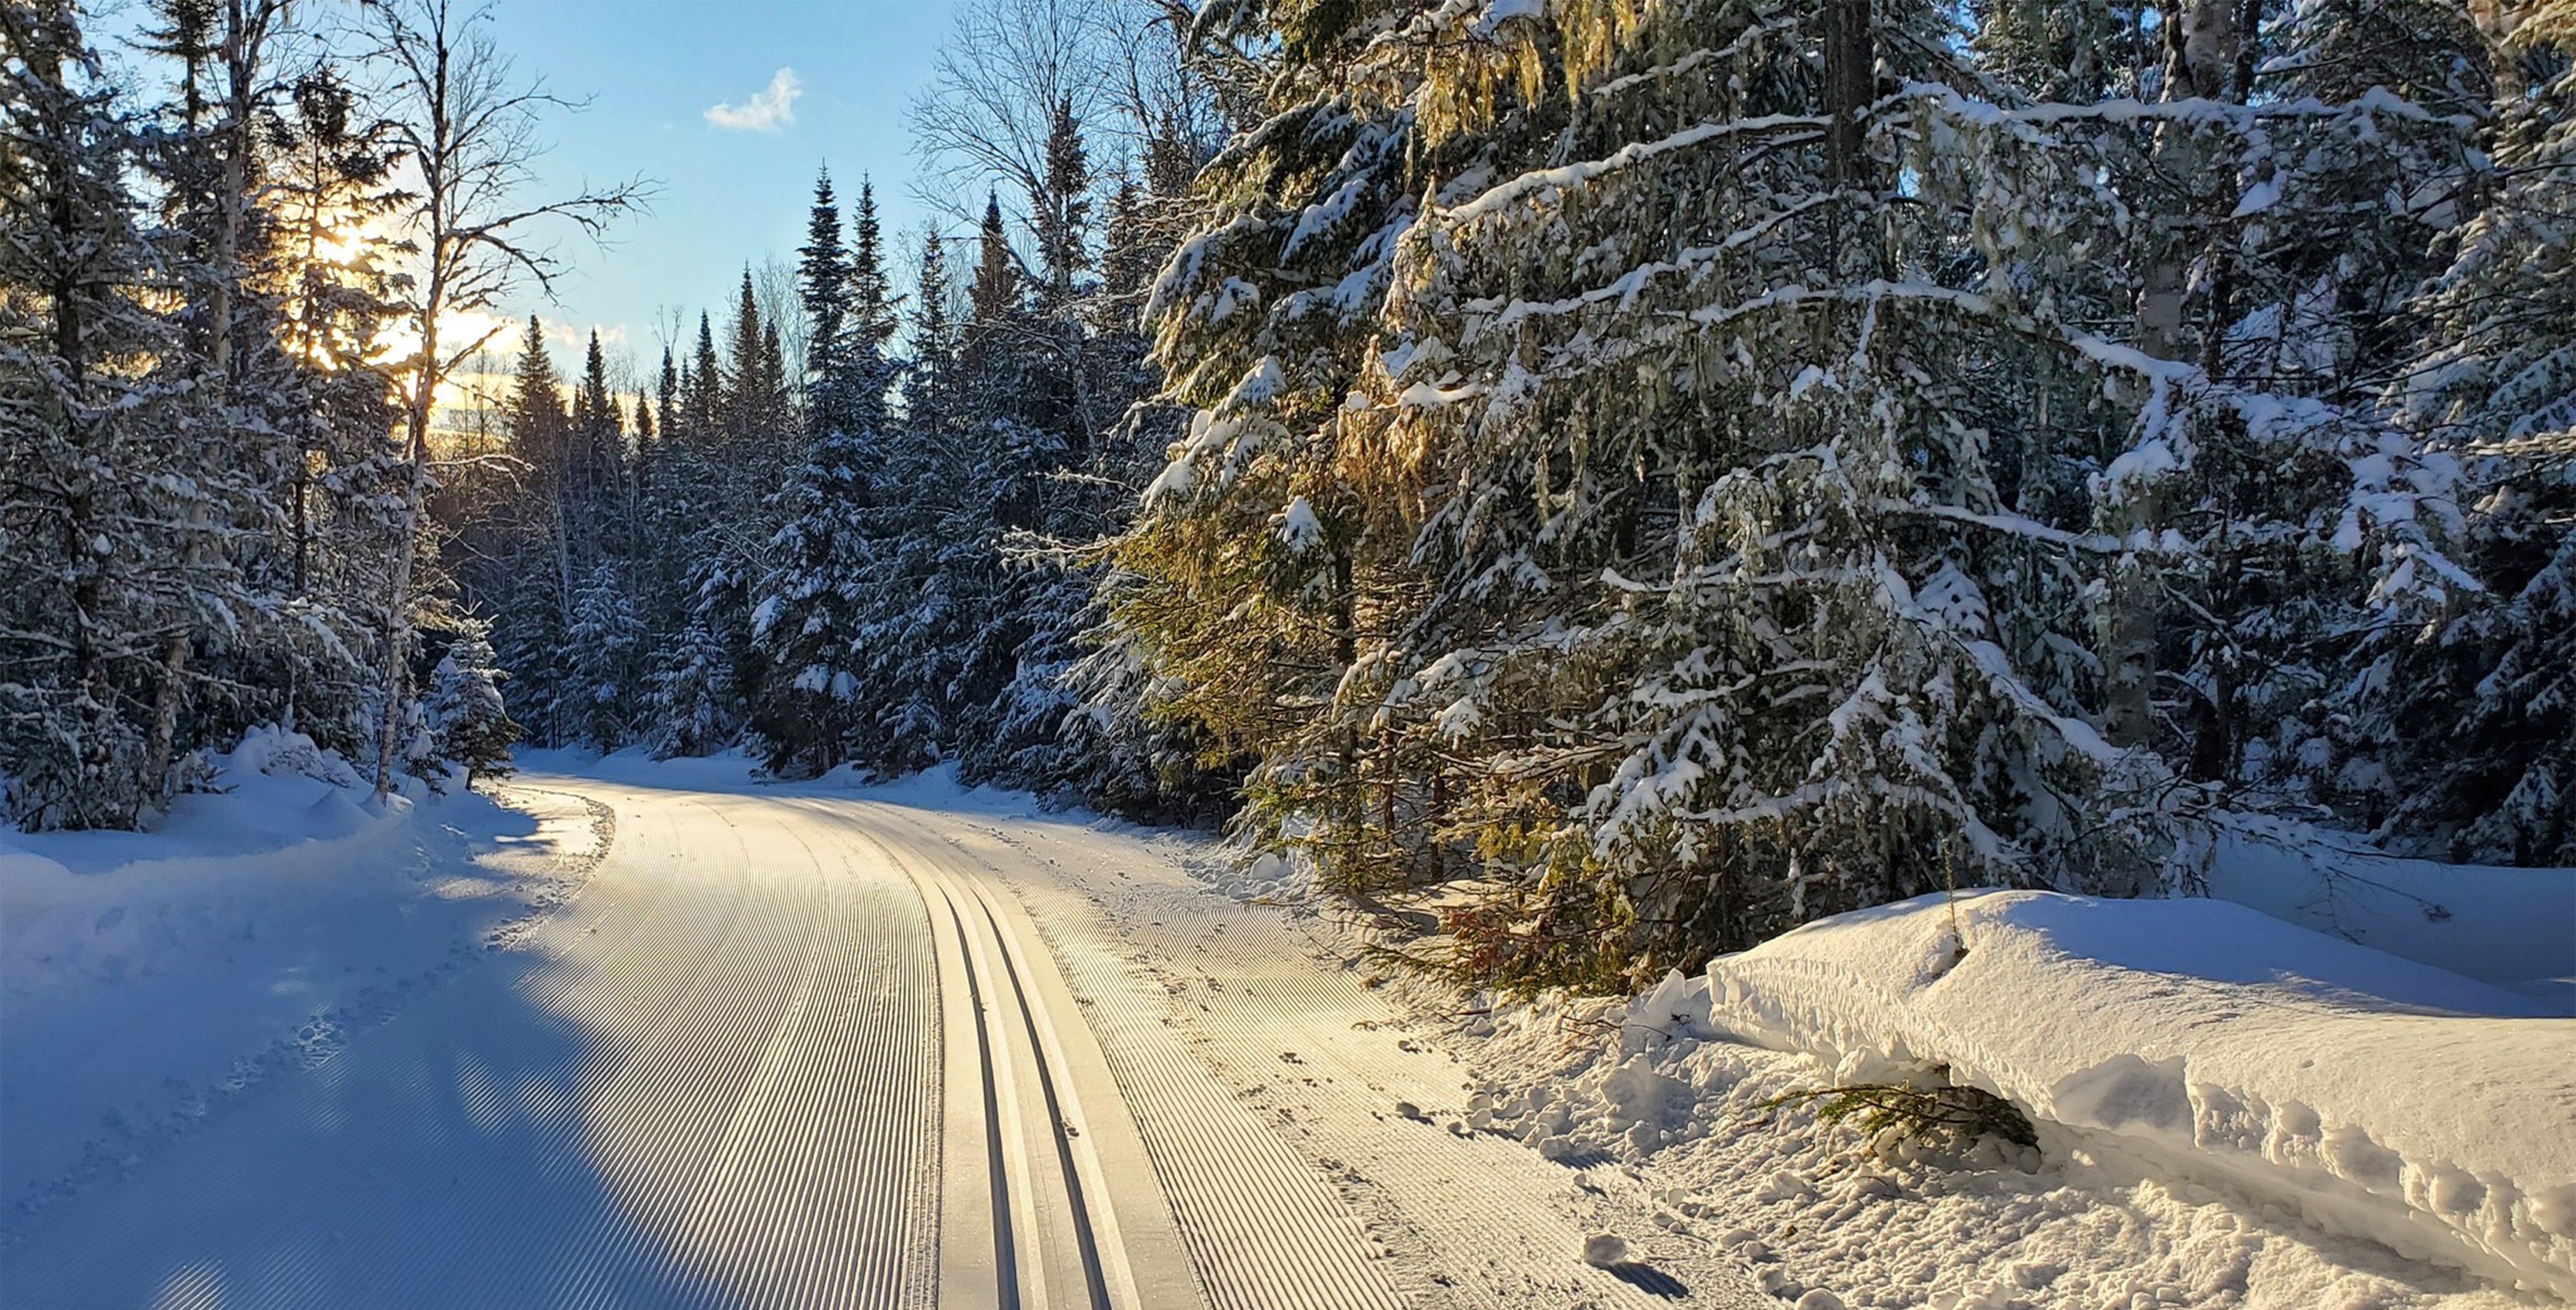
{"points": [[1509, 1250], [1064, 1229], [1262, 1223]]}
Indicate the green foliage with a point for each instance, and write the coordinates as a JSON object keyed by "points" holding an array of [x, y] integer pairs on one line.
{"points": [[1684, 470], [1946, 1119]]}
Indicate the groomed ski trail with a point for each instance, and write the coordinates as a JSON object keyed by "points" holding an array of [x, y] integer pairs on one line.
{"points": [[799, 1047]]}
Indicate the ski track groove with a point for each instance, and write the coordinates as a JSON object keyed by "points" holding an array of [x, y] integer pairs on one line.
{"points": [[1311, 1004], [1015, 1042], [1264, 1229]]}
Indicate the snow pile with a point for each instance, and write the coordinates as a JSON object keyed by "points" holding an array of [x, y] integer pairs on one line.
{"points": [[278, 816], [2205, 1042]]}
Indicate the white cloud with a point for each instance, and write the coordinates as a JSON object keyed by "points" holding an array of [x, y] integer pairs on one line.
{"points": [[766, 111]]}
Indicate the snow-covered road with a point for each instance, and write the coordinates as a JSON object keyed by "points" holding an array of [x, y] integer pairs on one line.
{"points": [[831, 1048]]}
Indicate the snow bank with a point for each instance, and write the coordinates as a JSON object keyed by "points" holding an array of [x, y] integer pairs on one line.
{"points": [[148, 978], [102, 906], [2203, 1041]]}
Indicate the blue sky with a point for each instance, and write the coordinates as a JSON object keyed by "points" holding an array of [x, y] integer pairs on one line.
{"points": [[653, 69]]}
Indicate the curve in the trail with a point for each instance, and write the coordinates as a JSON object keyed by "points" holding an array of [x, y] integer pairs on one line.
{"points": [[789, 1049]]}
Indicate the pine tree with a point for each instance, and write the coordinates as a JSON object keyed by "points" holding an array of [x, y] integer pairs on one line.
{"points": [[605, 681], [467, 720], [1687, 571], [824, 282], [873, 313], [529, 588], [595, 469], [822, 671], [2473, 714], [746, 399], [90, 438], [703, 406]]}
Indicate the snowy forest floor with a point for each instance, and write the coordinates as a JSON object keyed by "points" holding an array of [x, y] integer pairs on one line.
{"points": [[1685, 1130], [251, 997]]}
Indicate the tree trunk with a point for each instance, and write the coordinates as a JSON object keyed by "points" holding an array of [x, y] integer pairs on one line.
{"points": [[397, 628], [1848, 82], [242, 39], [2200, 47]]}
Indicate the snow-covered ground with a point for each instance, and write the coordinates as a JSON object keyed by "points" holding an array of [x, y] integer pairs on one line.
{"points": [[820, 1044], [150, 980], [2233, 1110], [910, 1044]]}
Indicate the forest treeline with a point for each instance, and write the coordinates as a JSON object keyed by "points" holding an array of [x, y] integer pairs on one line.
{"points": [[858, 520], [1648, 474]]}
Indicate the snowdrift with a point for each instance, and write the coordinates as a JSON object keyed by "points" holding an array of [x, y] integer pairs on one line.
{"points": [[281, 822], [2206, 1042], [148, 978], [2512, 927]]}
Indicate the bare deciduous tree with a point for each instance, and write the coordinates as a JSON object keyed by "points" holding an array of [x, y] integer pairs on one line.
{"points": [[994, 89], [467, 129]]}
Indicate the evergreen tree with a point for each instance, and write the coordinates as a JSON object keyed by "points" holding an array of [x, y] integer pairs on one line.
{"points": [[2472, 715], [811, 702], [472, 728], [92, 436], [605, 682], [529, 577], [1685, 573], [332, 293], [873, 313], [823, 274], [703, 391], [996, 295], [746, 399]]}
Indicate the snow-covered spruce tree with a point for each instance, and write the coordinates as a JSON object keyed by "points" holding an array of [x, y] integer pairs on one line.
{"points": [[325, 574], [739, 442], [468, 722], [1052, 340], [522, 579], [813, 708], [595, 511], [89, 430], [1072, 721], [2478, 711], [2333, 158], [697, 700], [1716, 465], [606, 659]]}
